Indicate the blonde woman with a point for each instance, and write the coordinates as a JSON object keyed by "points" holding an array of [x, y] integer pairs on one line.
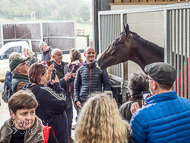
{"points": [[100, 122], [32, 57]]}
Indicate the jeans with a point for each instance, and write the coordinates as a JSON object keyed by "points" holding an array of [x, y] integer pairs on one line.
{"points": [[69, 112]]}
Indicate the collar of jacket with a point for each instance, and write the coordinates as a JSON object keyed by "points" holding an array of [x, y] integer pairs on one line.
{"points": [[162, 97], [55, 64], [94, 64], [33, 134], [47, 50]]}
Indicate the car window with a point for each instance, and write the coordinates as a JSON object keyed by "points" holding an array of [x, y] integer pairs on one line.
{"points": [[12, 49]]}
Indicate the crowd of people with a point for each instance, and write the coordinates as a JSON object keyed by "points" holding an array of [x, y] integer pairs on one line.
{"points": [[43, 94]]}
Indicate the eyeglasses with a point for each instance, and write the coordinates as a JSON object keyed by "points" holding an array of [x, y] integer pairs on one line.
{"points": [[147, 79]]}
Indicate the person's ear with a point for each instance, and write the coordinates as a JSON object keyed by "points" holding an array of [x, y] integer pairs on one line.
{"points": [[154, 84], [51, 56], [85, 54], [12, 114], [18, 70]]}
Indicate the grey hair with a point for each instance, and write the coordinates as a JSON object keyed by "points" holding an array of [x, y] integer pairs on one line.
{"points": [[42, 44], [137, 84], [54, 50]]}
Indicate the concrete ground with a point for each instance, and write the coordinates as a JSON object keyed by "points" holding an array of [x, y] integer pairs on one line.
{"points": [[4, 112]]}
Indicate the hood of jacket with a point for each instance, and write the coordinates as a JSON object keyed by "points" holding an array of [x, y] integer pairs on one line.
{"points": [[75, 62], [34, 88], [32, 135]]}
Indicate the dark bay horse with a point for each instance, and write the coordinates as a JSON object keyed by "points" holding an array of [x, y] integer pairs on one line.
{"points": [[130, 46]]}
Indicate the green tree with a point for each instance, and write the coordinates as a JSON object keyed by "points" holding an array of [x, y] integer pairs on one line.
{"points": [[14, 8], [84, 12]]}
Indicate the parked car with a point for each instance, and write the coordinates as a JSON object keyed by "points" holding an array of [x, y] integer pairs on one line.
{"points": [[6, 50]]}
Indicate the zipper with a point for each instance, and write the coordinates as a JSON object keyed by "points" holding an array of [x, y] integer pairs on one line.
{"points": [[89, 79]]}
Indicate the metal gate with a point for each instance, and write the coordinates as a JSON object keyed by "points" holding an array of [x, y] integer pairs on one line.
{"points": [[59, 34], [176, 38]]}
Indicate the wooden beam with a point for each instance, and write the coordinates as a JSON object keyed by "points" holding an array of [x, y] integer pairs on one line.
{"points": [[117, 1], [148, 3]]}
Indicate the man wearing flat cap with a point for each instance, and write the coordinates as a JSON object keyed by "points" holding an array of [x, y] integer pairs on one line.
{"points": [[19, 68], [166, 117]]}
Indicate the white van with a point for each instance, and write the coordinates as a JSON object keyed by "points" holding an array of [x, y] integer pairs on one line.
{"points": [[6, 50]]}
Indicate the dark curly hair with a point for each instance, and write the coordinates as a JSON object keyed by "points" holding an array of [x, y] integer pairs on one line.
{"points": [[137, 84]]}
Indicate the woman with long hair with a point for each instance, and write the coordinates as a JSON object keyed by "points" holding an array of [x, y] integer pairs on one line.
{"points": [[32, 57], [75, 60], [100, 122], [75, 56], [137, 84]]}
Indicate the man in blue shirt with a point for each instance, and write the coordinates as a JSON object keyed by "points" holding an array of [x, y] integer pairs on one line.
{"points": [[166, 116]]}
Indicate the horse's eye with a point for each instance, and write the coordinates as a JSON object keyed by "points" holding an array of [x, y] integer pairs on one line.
{"points": [[114, 44]]}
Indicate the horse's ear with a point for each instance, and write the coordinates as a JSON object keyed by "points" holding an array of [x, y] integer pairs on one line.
{"points": [[127, 29], [123, 26]]}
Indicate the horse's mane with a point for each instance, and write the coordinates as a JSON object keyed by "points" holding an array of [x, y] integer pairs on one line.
{"points": [[149, 45]]}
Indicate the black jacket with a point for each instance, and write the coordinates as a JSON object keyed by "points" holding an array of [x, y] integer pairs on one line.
{"points": [[51, 109], [89, 79], [61, 71]]}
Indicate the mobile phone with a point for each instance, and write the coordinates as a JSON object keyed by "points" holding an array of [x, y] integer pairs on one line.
{"points": [[48, 62], [75, 68], [53, 74], [145, 94], [109, 94]]}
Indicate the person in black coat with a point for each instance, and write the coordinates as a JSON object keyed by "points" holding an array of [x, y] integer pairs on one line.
{"points": [[52, 101], [89, 78]]}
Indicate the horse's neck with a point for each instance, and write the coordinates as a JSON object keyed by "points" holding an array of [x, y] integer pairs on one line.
{"points": [[143, 57]]}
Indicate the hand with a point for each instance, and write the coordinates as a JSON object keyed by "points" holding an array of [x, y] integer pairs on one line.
{"points": [[134, 107], [67, 76], [50, 68], [78, 104], [53, 81], [74, 74], [115, 103]]}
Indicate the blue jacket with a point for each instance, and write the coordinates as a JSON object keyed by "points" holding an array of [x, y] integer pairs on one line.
{"points": [[8, 81], [166, 119], [51, 109], [89, 79]]}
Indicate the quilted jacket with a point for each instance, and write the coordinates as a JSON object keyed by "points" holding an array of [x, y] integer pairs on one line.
{"points": [[166, 119], [89, 79]]}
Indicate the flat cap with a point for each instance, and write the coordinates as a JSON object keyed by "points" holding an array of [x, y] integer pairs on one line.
{"points": [[161, 72], [16, 61]]}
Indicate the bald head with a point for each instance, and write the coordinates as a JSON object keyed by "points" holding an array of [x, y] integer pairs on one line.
{"points": [[90, 54], [86, 49], [54, 51], [56, 54]]}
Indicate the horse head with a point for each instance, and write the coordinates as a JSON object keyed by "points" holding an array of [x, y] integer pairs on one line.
{"points": [[118, 51]]}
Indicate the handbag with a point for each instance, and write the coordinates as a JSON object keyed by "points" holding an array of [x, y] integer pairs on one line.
{"points": [[6, 93]]}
